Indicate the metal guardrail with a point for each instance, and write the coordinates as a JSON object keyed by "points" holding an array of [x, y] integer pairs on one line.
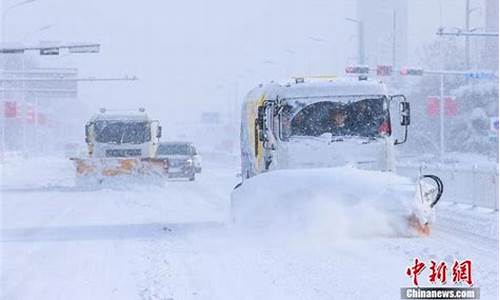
{"points": [[476, 185]]}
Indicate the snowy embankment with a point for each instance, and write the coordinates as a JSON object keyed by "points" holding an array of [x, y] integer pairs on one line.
{"points": [[172, 241]]}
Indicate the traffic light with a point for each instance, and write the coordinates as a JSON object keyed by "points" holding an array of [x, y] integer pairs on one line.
{"points": [[384, 70], [357, 70], [411, 71]]}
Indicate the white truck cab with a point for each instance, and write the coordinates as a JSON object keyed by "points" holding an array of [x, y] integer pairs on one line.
{"points": [[112, 134], [120, 143], [319, 123]]}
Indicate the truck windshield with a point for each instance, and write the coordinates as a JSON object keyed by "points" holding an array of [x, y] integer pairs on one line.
{"points": [[118, 132], [362, 118], [174, 149]]}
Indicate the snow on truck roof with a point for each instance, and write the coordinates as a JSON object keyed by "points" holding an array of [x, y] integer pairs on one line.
{"points": [[121, 115], [319, 87]]}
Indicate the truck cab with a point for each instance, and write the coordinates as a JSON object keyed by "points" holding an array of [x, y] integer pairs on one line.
{"points": [[319, 123], [120, 143], [122, 134]]}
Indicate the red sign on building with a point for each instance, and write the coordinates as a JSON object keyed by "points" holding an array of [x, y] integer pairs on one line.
{"points": [[10, 109], [433, 106], [30, 114], [450, 106]]}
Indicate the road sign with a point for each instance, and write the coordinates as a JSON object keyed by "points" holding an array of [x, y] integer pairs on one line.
{"points": [[493, 134], [480, 75], [494, 124], [357, 70]]}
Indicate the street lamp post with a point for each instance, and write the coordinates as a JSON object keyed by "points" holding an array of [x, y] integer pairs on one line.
{"points": [[361, 40]]}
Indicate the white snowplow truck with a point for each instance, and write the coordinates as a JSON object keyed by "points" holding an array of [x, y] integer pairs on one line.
{"points": [[327, 140], [121, 144]]}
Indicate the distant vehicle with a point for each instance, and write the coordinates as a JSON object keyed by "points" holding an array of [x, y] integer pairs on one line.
{"points": [[120, 143], [183, 159], [196, 160]]}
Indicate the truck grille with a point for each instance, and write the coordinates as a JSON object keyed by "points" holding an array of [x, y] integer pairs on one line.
{"points": [[123, 152]]}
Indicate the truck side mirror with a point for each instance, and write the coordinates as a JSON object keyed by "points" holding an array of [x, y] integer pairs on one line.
{"points": [[404, 112], [158, 132], [404, 115]]}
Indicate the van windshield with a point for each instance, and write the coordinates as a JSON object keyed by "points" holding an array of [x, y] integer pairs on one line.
{"points": [[367, 117]]}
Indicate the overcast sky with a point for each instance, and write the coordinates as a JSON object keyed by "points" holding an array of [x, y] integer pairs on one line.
{"points": [[199, 55]]}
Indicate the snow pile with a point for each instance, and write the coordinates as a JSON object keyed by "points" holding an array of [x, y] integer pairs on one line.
{"points": [[33, 172], [332, 202]]}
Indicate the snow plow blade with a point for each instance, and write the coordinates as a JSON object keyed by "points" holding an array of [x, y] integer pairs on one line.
{"points": [[96, 170], [343, 198]]}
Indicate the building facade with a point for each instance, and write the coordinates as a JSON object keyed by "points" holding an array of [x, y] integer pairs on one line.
{"points": [[385, 31]]}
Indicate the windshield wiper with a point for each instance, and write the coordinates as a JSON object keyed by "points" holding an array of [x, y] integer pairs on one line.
{"points": [[123, 135]]}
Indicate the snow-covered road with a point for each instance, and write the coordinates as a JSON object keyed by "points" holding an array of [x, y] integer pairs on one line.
{"points": [[171, 242]]}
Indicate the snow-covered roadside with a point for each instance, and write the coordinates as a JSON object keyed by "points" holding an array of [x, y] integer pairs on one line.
{"points": [[225, 263], [161, 242], [61, 242]]}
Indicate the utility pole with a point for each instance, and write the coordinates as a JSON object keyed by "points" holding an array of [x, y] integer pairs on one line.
{"points": [[467, 28], [361, 40]]}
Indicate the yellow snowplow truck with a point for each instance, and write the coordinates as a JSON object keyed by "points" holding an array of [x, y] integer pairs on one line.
{"points": [[120, 144], [313, 139]]}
